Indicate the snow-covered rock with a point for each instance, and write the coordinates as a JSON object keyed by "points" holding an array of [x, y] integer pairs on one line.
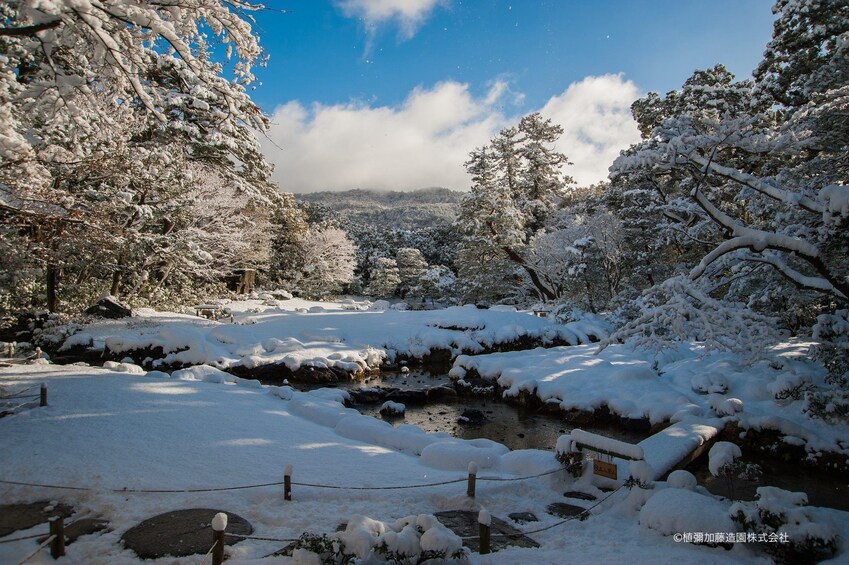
{"points": [[390, 408]]}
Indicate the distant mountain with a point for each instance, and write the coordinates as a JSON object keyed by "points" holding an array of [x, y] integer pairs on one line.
{"points": [[406, 210]]}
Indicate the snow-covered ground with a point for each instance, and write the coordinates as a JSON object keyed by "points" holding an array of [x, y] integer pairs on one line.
{"points": [[109, 431], [302, 333], [116, 428]]}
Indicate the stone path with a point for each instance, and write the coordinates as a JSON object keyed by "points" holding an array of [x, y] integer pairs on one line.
{"points": [[464, 523], [181, 533]]}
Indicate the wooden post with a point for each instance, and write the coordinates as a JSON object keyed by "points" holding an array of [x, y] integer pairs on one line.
{"points": [[57, 529], [473, 475], [219, 525], [484, 528], [287, 483], [43, 398]]}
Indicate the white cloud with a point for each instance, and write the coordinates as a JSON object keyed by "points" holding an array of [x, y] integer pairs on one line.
{"points": [[408, 13], [425, 141], [596, 117]]}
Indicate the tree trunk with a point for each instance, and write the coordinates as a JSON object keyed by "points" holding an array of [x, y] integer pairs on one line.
{"points": [[52, 282], [117, 275], [544, 292]]}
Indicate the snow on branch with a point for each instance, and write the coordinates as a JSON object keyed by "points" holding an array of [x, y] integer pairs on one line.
{"points": [[758, 241], [753, 182], [678, 310]]}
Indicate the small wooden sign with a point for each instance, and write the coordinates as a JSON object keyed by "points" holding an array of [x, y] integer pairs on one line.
{"points": [[604, 469]]}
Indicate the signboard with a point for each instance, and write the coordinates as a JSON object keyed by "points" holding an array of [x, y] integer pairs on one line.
{"points": [[604, 469]]}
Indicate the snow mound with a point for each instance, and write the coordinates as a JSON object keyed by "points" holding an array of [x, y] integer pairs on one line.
{"points": [[456, 455], [681, 479], [206, 373], [709, 383], [674, 510], [129, 368]]}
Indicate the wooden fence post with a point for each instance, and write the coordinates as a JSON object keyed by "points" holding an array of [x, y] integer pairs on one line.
{"points": [[219, 525], [57, 530], [473, 474], [287, 482], [484, 527], [43, 398]]}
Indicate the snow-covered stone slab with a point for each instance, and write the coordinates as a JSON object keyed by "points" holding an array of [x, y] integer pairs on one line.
{"points": [[667, 448]]}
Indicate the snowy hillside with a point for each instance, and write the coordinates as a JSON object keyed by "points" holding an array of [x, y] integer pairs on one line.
{"points": [[405, 210]]}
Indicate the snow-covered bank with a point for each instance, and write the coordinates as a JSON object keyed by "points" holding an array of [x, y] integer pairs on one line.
{"points": [[299, 334], [672, 387], [114, 430]]}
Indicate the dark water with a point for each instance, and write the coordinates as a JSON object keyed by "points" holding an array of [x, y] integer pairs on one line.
{"points": [[822, 488], [514, 426]]}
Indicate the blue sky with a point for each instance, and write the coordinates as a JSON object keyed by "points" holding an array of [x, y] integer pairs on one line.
{"points": [[445, 75]]}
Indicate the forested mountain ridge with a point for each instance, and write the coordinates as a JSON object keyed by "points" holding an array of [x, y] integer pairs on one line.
{"points": [[406, 210]]}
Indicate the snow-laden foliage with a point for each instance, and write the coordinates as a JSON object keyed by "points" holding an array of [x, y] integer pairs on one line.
{"points": [[326, 260], [679, 309], [750, 189], [115, 118], [517, 183], [780, 515]]}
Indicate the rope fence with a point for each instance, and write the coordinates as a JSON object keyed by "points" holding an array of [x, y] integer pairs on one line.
{"points": [[271, 484], [57, 538], [44, 544]]}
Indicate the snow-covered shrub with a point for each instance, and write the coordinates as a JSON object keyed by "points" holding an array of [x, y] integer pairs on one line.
{"points": [[640, 474], [790, 532], [571, 458], [832, 403], [675, 511], [410, 540], [790, 386], [721, 458], [725, 406]]}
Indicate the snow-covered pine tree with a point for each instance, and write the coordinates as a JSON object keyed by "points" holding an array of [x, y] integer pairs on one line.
{"points": [[517, 182]]}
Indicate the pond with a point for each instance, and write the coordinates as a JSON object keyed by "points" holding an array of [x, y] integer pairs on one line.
{"points": [[518, 427], [514, 426]]}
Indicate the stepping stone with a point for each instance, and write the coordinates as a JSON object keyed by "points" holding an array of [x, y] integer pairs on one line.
{"points": [[523, 517], [579, 495], [181, 533], [80, 528], [14, 517], [465, 523], [563, 510]]}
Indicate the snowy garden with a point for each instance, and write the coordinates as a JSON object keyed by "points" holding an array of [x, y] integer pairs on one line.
{"points": [[197, 364]]}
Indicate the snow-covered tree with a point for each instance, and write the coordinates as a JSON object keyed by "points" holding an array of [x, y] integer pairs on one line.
{"points": [[754, 185], [327, 262], [517, 183], [384, 278], [438, 282], [809, 51], [411, 264], [106, 109]]}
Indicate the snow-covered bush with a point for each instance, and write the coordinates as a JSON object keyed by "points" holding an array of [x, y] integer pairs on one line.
{"points": [[571, 458], [784, 528], [831, 403], [674, 511], [410, 540]]}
